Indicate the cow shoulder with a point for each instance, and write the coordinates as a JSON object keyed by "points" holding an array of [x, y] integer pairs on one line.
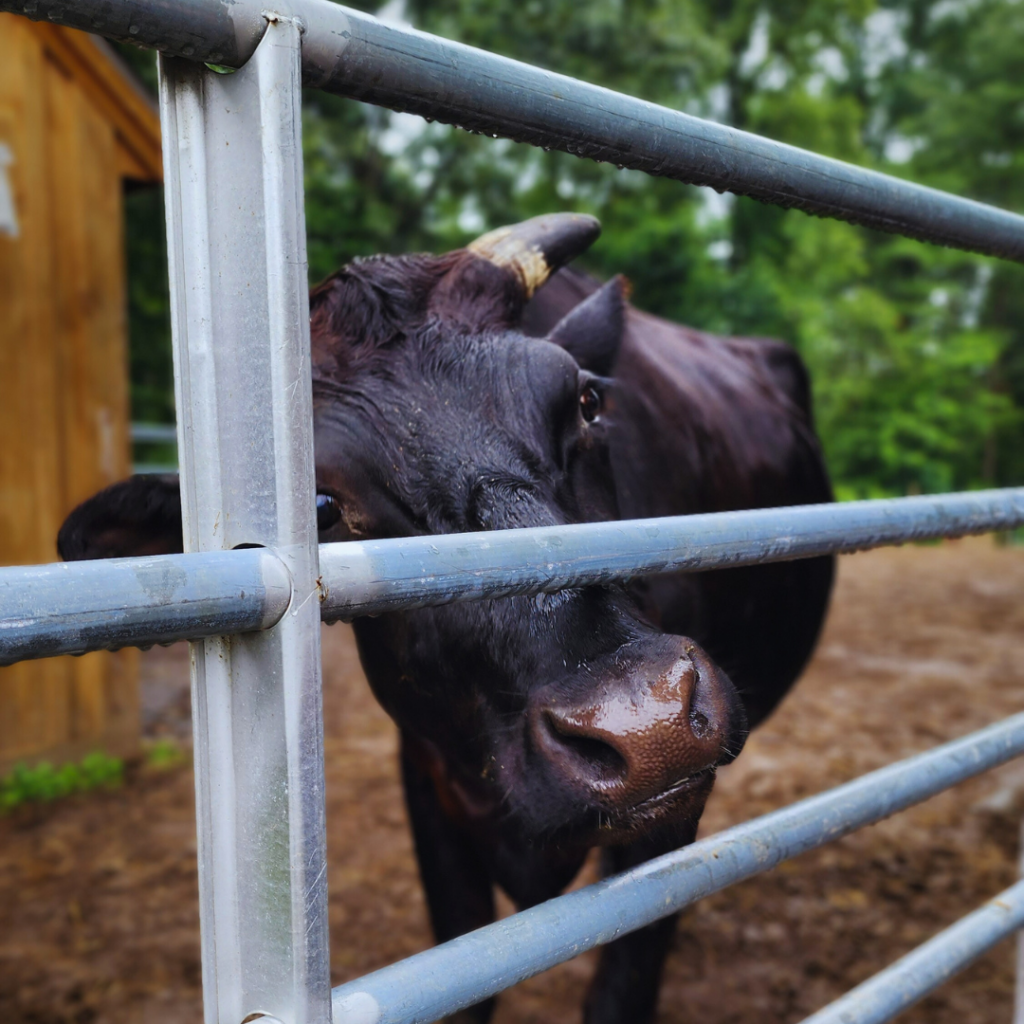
{"points": [[780, 366]]}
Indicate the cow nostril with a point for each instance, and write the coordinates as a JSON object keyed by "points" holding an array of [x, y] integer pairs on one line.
{"points": [[699, 725], [602, 759]]}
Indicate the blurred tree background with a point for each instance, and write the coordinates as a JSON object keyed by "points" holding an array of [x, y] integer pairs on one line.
{"points": [[916, 352]]}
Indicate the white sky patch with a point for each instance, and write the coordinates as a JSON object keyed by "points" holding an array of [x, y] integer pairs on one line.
{"points": [[815, 84], [720, 250], [401, 131], [756, 52], [470, 219], [899, 149], [939, 298], [774, 77], [951, 9], [714, 206], [977, 294], [394, 13], [716, 103], [529, 177], [883, 40], [830, 65], [829, 60]]}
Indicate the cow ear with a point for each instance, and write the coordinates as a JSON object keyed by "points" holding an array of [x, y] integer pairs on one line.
{"points": [[139, 516], [503, 268], [592, 332]]}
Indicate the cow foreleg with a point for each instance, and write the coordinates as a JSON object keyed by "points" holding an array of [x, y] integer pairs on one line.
{"points": [[625, 988], [456, 882], [628, 977]]}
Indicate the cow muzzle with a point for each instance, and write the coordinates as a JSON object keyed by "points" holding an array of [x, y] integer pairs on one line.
{"points": [[644, 745]]}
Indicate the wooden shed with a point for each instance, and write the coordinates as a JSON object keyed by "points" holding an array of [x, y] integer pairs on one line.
{"points": [[75, 126]]}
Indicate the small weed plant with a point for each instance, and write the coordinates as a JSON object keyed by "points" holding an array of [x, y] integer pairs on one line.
{"points": [[43, 782], [164, 753]]}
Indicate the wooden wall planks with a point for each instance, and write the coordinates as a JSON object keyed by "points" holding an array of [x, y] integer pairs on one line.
{"points": [[63, 354]]}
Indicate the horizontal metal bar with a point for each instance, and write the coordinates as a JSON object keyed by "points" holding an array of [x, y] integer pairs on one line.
{"points": [[203, 30], [70, 608], [153, 468], [370, 577], [466, 970], [932, 964], [351, 53], [74, 607], [154, 433]]}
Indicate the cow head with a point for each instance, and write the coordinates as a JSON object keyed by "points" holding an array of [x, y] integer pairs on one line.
{"points": [[567, 717]]}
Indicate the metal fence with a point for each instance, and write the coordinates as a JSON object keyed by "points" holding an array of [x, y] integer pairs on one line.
{"points": [[149, 434], [236, 237]]}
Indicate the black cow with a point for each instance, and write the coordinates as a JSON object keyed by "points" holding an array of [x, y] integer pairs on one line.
{"points": [[445, 400]]}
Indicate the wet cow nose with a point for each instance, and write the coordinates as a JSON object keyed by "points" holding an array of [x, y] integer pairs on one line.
{"points": [[641, 737]]}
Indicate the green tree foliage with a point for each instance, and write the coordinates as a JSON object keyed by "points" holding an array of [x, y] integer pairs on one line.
{"points": [[916, 352], [149, 326], [149, 321], [957, 96]]}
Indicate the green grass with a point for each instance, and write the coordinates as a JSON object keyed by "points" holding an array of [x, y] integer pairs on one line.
{"points": [[43, 782], [164, 753]]}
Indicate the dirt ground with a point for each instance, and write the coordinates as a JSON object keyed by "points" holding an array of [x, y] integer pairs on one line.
{"points": [[98, 893]]}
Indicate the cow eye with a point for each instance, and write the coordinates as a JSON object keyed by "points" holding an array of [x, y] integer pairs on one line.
{"points": [[590, 403], [328, 511]]}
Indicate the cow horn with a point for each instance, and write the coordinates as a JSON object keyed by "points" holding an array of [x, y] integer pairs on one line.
{"points": [[534, 249]]}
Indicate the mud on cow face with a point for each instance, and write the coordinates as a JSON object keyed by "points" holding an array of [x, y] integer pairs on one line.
{"points": [[565, 717], [569, 716]]}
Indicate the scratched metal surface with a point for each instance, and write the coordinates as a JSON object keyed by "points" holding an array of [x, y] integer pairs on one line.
{"points": [[351, 53], [370, 577], [72, 607], [243, 392]]}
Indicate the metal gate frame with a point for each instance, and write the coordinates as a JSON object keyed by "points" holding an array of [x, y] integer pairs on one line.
{"points": [[254, 585]]}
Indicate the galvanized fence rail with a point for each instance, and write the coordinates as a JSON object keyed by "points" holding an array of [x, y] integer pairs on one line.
{"points": [[164, 434], [351, 53], [71, 608], [446, 978], [232, 151]]}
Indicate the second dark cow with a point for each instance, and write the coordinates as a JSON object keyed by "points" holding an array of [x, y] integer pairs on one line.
{"points": [[455, 393]]}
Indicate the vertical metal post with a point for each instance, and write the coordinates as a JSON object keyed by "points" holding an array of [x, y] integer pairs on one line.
{"points": [[236, 239], [1018, 1001]]}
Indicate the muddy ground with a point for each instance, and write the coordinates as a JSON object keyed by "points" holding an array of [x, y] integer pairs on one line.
{"points": [[98, 918]]}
